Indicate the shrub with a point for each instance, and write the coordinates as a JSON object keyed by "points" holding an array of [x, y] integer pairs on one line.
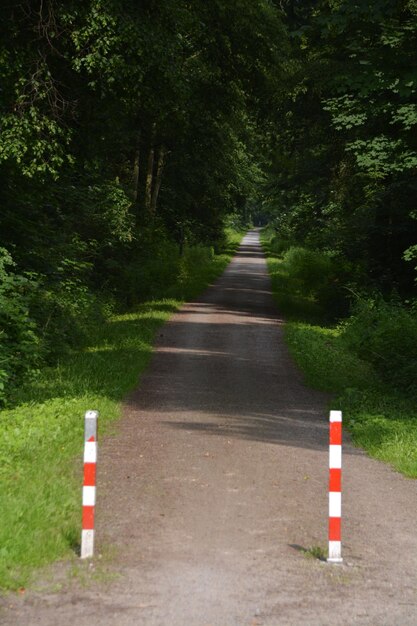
{"points": [[385, 334], [64, 308], [311, 270], [320, 275], [146, 273], [41, 318], [279, 245], [19, 342]]}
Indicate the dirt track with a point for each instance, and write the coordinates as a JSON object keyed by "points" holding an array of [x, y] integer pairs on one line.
{"points": [[217, 478]]}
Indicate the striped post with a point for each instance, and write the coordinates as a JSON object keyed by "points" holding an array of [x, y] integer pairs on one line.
{"points": [[89, 486], [335, 488]]}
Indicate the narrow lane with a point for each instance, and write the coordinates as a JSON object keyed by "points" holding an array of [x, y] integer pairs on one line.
{"points": [[217, 479], [228, 431]]}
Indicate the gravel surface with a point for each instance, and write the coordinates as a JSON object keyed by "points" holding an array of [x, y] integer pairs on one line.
{"points": [[215, 485]]}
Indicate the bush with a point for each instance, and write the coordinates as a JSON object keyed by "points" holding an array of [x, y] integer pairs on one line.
{"points": [[145, 273], [41, 318], [156, 267], [64, 308], [385, 334], [321, 276], [276, 244], [191, 266], [279, 245], [311, 270], [19, 342]]}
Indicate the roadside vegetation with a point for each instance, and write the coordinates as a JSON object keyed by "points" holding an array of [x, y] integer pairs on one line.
{"points": [[366, 359], [340, 195], [41, 433]]}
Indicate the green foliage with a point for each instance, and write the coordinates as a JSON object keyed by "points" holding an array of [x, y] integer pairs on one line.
{"points": [[384, 423], [308, 269], [367, 363], [385, 335], [380, 419], [64, 309], [103, 217], [343, 148], [41, 319], [381, 156], [160, 267], [326, 360], [406, 115], [411, 255], [35, 143], [19, 342], [308, 283]]}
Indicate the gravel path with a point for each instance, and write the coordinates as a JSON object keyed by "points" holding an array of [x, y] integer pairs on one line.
{"points": [[216, 480]]}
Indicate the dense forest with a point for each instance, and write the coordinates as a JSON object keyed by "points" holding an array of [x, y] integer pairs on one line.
{"points": [[344, 146], [133, 132]]}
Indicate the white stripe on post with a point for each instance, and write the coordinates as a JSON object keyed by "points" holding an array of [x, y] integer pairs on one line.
{"points": [[90, 452], [89, 484], [89, 496], [335, 488], [335, 504], [335, 549], [335, 456]]}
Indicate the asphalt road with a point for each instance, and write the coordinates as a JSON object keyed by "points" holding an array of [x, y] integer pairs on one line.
{"points": [[215, 484]]}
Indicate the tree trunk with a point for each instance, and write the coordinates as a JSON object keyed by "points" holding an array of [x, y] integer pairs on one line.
{"points": [[136, 170], [149, 179], [158, 179]]}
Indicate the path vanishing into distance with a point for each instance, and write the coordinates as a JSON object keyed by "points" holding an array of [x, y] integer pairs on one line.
{"points": [[215, 481]]}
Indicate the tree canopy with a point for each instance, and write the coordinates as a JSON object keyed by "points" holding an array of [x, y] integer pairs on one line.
{"points": [[342, 174]]}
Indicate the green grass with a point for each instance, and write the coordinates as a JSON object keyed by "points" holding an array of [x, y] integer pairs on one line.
{"points": [[315, 552], [382, 420], [41, 436]]}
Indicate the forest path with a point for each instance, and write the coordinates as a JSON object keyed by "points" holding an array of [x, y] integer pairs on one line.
{"points": [[217, 477]]}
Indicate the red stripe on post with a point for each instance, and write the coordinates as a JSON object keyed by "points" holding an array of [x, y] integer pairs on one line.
{"points": [[88, 518], [335, 529], [335, 479], [336, 433], [89, 474]]}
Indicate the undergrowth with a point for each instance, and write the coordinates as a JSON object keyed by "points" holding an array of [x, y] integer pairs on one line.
{"points": [[359, 363], [41, 434]]}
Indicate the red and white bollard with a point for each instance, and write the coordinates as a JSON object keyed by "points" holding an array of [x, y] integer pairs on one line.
{"points": [[335, 488], [89, 486]]}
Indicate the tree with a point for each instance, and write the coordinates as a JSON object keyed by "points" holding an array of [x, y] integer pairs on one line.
{"points": [[343, 172]]}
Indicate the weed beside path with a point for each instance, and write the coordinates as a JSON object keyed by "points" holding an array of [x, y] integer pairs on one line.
{"points": [[41, 436], [380, 418]]}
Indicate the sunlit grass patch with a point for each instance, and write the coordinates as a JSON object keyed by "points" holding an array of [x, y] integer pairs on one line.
{"points": [[381, 420], [326, 362], [384, 422], [40, 496]]}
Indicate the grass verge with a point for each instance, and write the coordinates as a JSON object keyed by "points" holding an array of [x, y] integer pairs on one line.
{"points": [[382, 420], [41, 436]]}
